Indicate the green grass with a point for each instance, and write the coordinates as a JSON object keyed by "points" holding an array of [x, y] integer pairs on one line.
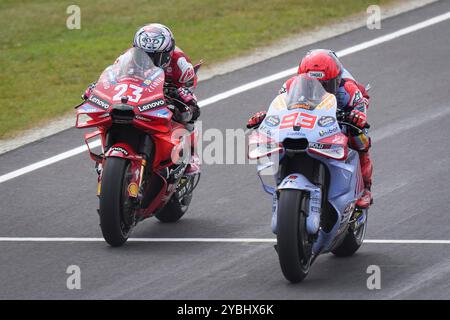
{"points": [[44, 67]]}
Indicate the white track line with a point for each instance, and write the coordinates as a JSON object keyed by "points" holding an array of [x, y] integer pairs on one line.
{"points": [[46, 162], [208, 240], [245, 87], [342, 53]]}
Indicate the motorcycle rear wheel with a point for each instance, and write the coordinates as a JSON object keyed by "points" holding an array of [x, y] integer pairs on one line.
{"points": [[293, 244], [115, 212]]}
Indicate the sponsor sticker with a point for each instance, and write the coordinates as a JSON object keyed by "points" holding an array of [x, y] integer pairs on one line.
{"points": [[300, 106], [328, 131], [155, 74], [326, 121], [139, 117], [99, 102], [317, 145], [151, 105], [295, 134], [163, 114], [133, 189], [272, 121], [89, 108]]}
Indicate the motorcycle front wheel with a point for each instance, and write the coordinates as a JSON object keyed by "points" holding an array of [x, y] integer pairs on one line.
{"points": [[116, 212], [293, 244]]}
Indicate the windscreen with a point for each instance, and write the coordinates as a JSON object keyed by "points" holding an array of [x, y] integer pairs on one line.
{"points": [[305, 93], [134, 63]]}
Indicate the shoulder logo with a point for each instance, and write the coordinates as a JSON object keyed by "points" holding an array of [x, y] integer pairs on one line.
{"points": [[186, 69]]}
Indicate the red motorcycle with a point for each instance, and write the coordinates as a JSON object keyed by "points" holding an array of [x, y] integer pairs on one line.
{"points": [[145, 152]]}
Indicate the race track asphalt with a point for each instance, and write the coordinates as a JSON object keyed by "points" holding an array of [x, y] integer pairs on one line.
{"points": [[410, 118]]}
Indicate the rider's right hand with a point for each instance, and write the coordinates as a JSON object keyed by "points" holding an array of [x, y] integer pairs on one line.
{"points": [[256, 119]]}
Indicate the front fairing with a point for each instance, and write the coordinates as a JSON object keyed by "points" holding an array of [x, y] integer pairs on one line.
{"points": [[136, 82], [297, 122], [308, 112]]}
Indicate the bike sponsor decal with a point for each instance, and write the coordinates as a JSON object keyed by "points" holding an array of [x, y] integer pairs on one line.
{"points": [[119, 149], [163, 114], [106, 85], [317, 145], [295, 134], [339, 139], [88, 108], [326, 121], [328, 103], [133, 189], [263, 128], [153, 84], [139, 117], [272, 121], [154, 75], [99, 102], [328, 131], [300, 106], [151, 105], [279, 103]]}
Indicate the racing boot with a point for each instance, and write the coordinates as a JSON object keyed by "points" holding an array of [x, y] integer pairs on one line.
{"points": [[366, 170], [193, 167]]}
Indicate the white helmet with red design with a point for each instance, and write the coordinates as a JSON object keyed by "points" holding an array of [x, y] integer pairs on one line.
{"points": [[158, 41]]}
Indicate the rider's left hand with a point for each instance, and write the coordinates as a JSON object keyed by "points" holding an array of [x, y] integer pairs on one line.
{"points": [[358, 118], [186, 95]]}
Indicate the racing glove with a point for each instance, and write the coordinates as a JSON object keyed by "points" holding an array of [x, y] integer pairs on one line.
{"points": [[188, 98], [358, 118], [256, 119], [186, 95]]}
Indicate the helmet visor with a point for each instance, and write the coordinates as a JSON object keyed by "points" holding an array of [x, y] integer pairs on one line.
{"points": [[160, 59], [331, 85]]}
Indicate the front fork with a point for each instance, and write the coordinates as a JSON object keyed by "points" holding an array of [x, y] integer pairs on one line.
{"points": [[121, 150], [299, 182]]}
